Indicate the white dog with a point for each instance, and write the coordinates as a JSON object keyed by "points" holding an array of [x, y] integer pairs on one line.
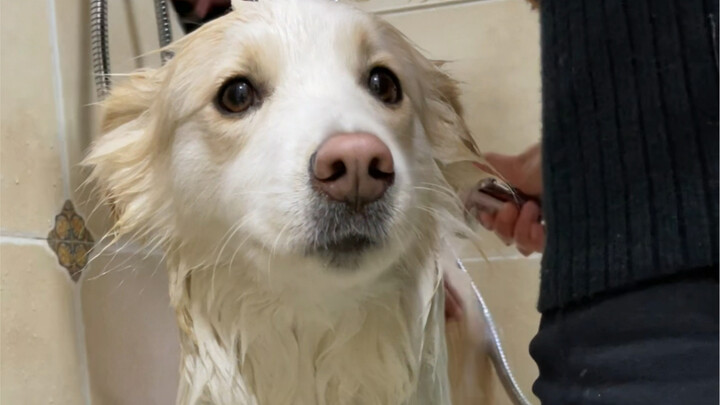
{"points": [[299, 162]]}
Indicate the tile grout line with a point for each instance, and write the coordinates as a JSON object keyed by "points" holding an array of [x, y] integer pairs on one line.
{"points": [[500, 258], [58, 95], [80, 341], [427, 6], [59, 99], [22, 240]]}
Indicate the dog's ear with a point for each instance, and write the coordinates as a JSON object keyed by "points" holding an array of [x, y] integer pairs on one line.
{"points": [[449, 135], [122, 159], [129, 99], [453, 147]]}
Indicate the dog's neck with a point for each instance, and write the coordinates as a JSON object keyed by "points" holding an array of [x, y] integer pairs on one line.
{"points": [[244, 343]]}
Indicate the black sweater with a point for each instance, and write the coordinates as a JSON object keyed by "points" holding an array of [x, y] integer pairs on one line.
{"points": [[630, 143]]}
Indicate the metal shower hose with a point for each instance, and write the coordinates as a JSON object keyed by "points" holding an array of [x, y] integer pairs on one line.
{"points": [[100, 47]]}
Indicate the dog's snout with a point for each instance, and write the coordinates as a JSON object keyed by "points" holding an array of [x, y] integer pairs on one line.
{"points": [[356, 168]]}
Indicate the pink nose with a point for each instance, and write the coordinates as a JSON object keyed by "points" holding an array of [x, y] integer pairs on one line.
{"points": [[355, 168]]}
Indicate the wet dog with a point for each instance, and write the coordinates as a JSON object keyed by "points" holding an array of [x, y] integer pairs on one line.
{"points": [[299, 163]]}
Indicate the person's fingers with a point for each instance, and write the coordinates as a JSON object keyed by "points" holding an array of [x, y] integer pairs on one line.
{"points": [[529, 215], [523, 171], [505, 220], [453, 305], [486, 219], [524, 252]]}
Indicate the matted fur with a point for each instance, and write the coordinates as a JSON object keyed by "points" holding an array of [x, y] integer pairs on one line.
{"points": [[227, 199]]}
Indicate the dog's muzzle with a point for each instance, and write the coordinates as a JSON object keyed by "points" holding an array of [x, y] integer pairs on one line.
{"points": [[351, 175]]}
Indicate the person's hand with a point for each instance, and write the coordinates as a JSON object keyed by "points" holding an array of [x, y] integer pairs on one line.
{"points": [[453, 304], [522, 226]]}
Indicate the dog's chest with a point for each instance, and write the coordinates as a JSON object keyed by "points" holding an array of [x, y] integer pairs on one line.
{"points": [[391, 352]]}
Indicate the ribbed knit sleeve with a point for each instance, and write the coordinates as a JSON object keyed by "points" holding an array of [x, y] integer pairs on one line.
{"points": [[630, 143]]}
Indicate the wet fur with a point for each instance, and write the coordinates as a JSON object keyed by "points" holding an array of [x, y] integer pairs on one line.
{"points": [[262, 320]]}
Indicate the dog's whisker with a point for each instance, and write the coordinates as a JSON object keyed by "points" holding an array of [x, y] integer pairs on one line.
{"points": [[438, 193], [234, 230], [255, 193], [272, 250], [225, 239], [105, 271], [157, 266], [445, 191], [237, 249]]}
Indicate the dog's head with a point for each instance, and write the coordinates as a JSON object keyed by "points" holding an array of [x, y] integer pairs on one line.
{"points": [[299, 133]]}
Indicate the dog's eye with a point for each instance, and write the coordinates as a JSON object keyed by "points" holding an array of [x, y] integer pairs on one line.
{"points": [[384, 85], [237, 95]]}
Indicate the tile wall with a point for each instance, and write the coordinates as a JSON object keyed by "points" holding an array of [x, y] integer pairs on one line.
{"points": [[42, 342]]}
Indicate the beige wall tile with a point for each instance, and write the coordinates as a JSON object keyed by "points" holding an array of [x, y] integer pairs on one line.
{"points": [[133, 34], [132, 340], [41, 362], [31, 182], [510, 289], [493, 49]]}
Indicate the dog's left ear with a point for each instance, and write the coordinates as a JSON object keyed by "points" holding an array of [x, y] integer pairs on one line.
{"points": [[453, 147], [438, 101]]}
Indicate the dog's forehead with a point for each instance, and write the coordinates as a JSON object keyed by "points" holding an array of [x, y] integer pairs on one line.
{"points": [[301, 25], [277, 42]]}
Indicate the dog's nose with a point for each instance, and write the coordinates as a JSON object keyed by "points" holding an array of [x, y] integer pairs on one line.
{"points": [[356, 168]]}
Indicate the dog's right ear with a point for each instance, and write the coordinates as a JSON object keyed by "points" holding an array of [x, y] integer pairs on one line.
{"points": [[123, 157], [129, 99]]}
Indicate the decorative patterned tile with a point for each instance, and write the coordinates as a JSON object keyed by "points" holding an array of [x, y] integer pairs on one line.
{"points": [[71, 240]]}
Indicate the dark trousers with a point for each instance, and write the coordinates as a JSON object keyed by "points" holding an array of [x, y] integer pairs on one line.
{"points": [[653, 345]]}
